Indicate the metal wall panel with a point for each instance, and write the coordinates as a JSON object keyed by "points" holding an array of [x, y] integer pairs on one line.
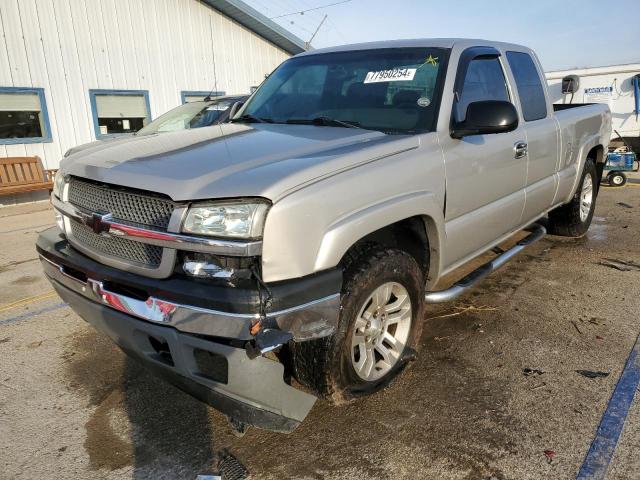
{"points": [[163, 46], [5, 73], [38, 74], [18, 67], [60, 96]]}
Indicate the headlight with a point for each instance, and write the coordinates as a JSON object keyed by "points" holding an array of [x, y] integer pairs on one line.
{"points": [[227, 219], [58, 185]]}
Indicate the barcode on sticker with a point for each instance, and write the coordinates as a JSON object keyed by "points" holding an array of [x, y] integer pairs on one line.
{"points": [[393, 75]]}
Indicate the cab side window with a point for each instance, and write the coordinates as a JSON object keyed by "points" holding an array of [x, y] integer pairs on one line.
{"points": [[484, 80], [534, 105]]}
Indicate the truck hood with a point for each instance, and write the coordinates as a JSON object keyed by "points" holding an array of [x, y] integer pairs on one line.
{"points": [[232, 160]]}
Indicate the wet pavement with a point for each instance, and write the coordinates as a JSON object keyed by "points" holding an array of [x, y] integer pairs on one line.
{"points": [[494, 387]]}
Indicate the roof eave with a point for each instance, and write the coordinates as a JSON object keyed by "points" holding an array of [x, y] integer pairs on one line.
{"points": [[259, 24]]}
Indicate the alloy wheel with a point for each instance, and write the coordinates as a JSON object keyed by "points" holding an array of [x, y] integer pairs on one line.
{"points": [[586, 198], [381, 331]]}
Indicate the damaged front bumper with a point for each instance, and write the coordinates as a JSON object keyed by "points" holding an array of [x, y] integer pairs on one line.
{"points": [[197, 348]]}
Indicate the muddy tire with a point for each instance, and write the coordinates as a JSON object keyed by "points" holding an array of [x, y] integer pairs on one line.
{"points": [[574, 218], [335, 368]]}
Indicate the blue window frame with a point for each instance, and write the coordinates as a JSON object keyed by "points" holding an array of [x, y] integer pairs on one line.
{"points": [[185, 94], [117, 112], [24, 117]]}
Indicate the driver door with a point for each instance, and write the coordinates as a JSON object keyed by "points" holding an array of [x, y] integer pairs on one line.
{"points": [[485, 177]]}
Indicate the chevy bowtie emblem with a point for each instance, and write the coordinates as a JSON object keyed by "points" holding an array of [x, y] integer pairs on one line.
{"points": [[98, 223]]}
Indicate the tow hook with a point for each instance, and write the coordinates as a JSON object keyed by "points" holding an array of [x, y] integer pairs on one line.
{"points": [[266, 340]]}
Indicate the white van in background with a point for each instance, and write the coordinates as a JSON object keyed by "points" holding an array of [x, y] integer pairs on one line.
{"points": [[613, 85]]}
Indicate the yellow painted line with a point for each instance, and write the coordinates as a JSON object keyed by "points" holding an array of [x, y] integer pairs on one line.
{"points": [[27, 301]]}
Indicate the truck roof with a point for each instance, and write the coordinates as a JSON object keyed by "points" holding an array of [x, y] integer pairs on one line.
{"points": [[409, 43]]}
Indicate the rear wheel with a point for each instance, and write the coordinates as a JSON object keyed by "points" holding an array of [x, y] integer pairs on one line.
{"points": [[573, 219], [379, 328], [617, 179]]}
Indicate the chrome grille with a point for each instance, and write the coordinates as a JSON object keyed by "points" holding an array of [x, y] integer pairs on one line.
{"points": [[123, 204], [149, 256]]}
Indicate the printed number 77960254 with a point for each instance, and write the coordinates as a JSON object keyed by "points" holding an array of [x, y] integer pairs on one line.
{"points": [[392, 75]]}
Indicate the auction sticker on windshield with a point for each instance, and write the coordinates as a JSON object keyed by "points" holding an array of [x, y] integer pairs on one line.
{"points": [[393, 75]]}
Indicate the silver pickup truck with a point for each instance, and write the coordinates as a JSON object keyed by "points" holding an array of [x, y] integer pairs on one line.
{"points": [[289, 255]]}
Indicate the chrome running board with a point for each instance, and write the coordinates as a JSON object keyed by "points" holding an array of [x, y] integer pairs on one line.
{"points": [[471, 280]]}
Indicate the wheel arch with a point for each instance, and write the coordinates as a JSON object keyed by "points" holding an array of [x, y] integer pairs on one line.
{"points": [[590, 148], [597, 154], [409, 222]]}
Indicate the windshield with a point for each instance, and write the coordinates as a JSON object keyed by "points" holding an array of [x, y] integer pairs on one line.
{"points": [[391, 90], [190, 115]]}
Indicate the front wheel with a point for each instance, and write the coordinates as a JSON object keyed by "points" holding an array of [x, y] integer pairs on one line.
{"points": [[574, 218], [381, 331], [617, 179], [378, 330]]}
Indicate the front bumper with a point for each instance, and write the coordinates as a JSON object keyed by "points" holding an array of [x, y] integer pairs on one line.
{"points": [[307, 308], [254, 393], [171, 337]]}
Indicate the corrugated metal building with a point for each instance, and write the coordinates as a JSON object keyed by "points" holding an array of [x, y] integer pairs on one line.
{"points": [[72, 71]]}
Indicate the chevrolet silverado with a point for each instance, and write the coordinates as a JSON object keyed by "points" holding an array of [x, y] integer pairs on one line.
{"points": [[289, 255]]}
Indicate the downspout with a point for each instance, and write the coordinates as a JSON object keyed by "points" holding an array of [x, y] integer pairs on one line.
{"points": [[636, 91]]}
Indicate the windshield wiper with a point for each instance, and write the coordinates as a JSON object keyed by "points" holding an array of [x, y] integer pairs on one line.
{"points": [[247, 117], [324, 122]]}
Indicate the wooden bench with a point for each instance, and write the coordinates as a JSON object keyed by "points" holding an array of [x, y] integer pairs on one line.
{"points": [[24, 174]]}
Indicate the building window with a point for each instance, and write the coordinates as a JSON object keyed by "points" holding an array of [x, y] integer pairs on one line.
{"points": [[119, 111], [197, 96], [23, 116]]}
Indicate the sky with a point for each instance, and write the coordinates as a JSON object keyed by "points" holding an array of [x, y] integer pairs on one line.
{"points": [[564, 33]]}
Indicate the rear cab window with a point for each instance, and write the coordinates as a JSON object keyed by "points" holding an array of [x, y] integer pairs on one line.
{"points": [[530, 89]]}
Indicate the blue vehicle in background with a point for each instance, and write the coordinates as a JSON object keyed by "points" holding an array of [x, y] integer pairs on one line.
{"points": [[620, 160]]}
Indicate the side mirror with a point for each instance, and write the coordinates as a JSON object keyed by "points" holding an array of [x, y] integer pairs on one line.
{"points": [[570, 84], [234, 109], [488, 116]]}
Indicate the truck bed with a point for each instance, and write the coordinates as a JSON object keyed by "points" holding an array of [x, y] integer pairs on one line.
{"points": [[580, 120], [566, 106]]}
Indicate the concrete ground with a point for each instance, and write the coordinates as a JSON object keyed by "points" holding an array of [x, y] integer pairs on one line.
{"points": [[73, 406]]}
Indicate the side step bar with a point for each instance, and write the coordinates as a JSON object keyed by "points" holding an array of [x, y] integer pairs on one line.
{"points": [[471, 280]]}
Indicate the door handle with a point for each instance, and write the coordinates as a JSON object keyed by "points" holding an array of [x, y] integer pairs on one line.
{"points": [[520, 149]]}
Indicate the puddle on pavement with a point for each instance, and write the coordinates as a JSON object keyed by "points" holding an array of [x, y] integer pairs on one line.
{"points": [[598, 230], [93, 369], [137, 419], [93, 365], [109, 445]]}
